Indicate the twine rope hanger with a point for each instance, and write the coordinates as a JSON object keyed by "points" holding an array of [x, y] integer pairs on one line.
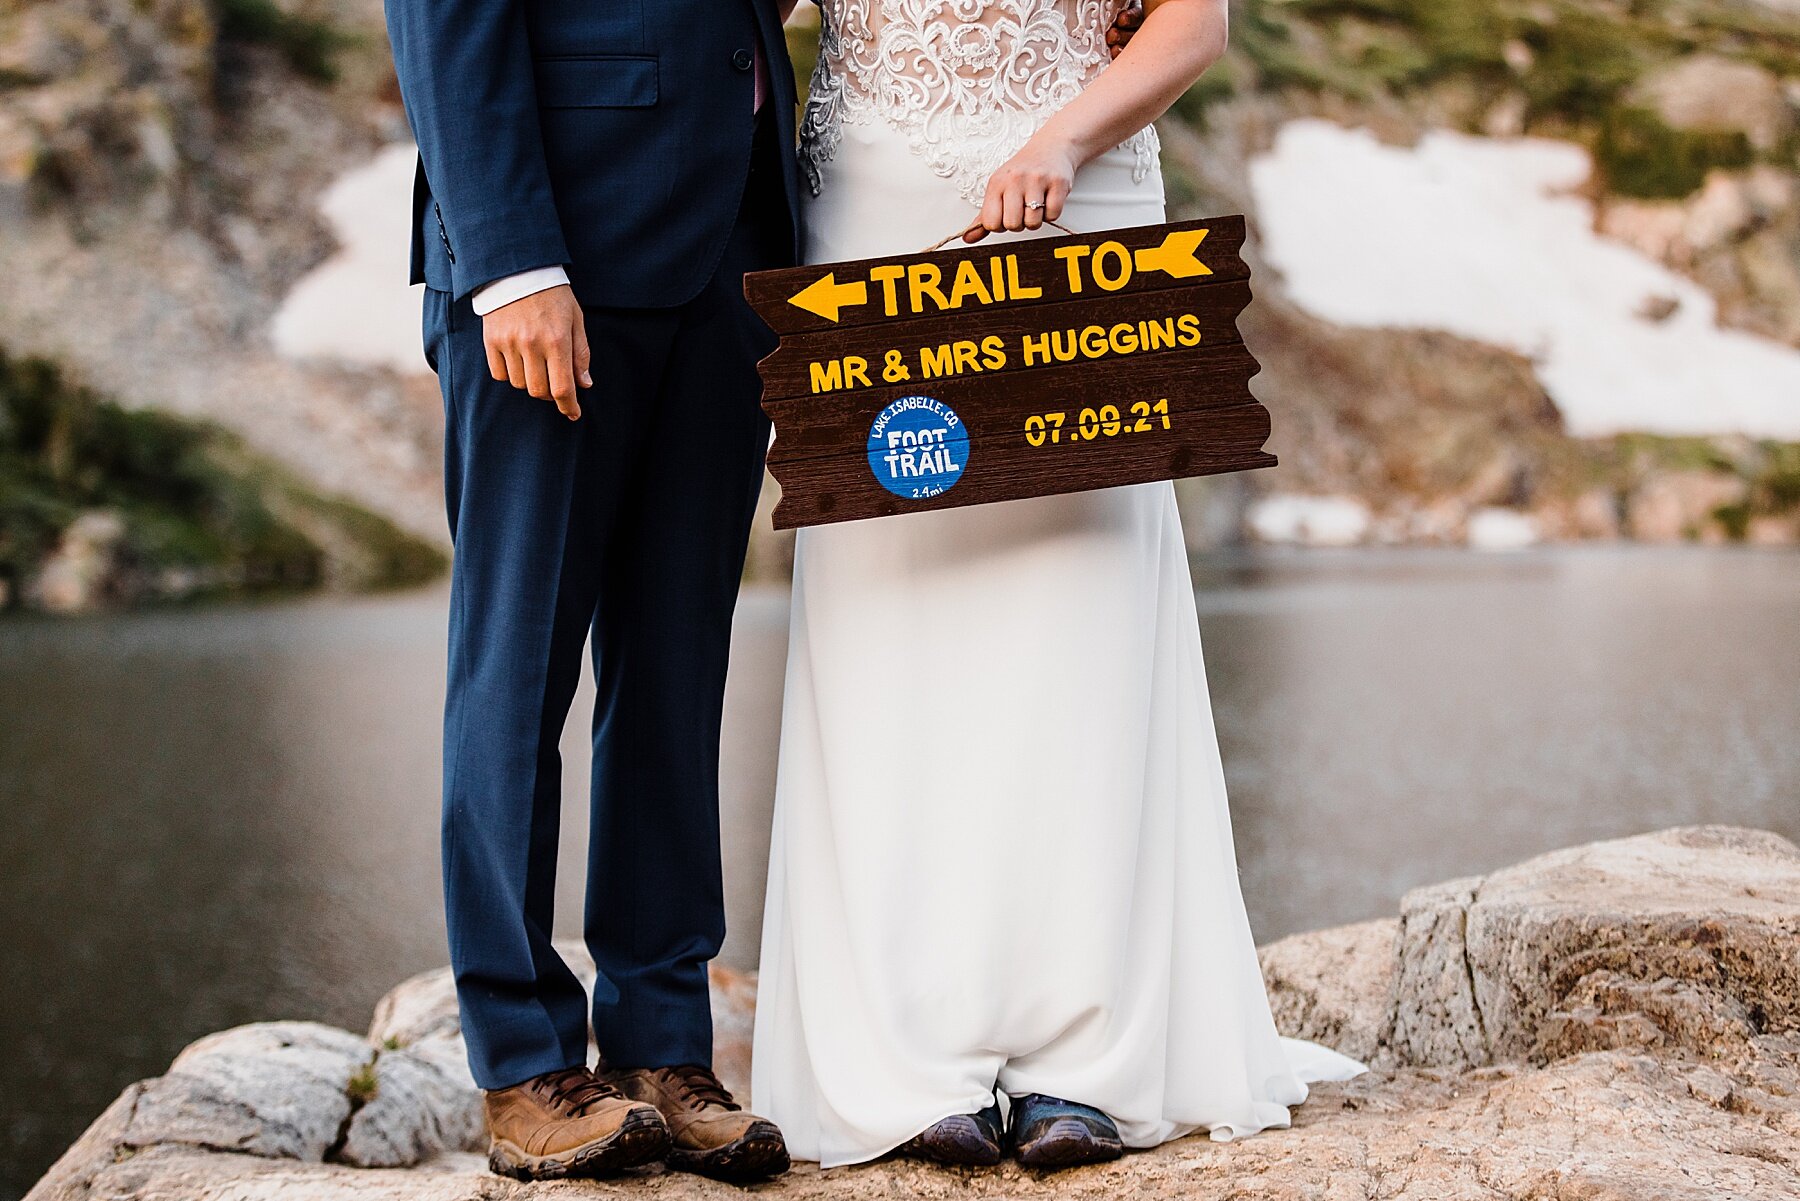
{"points": [[963, 233]]}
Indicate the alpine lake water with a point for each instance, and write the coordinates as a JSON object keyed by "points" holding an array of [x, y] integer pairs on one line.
{"points": [[222, 815]]}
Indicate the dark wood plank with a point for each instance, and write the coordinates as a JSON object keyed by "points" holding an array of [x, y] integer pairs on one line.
{"points": [[835, 488], [1206, 377], [1034, 261], [867, 356], [901, 383]]}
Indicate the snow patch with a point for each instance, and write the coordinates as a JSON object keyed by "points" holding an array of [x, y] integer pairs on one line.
{"points": [[1501, 529], [1286, 519], [1482, 238], [356, 307]]}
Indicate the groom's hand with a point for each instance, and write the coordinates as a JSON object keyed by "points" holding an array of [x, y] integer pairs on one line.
{"points": [[539, 345], [1123, 26]]}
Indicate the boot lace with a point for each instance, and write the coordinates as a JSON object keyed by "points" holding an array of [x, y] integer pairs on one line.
{"points": [[699, 1087], [577, 1090]]}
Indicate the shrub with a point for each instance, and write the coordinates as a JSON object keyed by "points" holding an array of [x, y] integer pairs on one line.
{"points": [[1581, 66], [190, 496], [1218, 84], [1641, 155], [309, 46]]}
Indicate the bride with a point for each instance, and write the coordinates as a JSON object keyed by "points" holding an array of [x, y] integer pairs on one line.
{"points": [[1002, 883]]}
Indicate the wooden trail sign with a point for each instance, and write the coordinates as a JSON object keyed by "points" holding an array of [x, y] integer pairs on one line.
{"points": [[1005, 370]]}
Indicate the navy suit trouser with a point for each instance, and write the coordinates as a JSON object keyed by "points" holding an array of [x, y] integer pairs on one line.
{"points": [[629, 524]]}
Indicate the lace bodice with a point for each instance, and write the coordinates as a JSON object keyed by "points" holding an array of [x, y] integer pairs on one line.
{"points": [[967, 81]]}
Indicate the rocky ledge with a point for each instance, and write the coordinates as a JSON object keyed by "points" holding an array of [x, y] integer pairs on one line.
{"points": [[1615, 1021]]}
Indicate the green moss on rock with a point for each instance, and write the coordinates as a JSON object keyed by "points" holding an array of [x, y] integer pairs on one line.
{"points": [[308, 45], [1414, 41], [1575, 62], [1581, 64], [198, 512], [1639, 155]]}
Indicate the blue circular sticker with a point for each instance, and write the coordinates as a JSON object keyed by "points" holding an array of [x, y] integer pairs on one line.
{"points": [[918, 447]]}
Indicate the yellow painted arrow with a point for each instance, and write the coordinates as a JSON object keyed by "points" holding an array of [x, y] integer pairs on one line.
{"points": [[824, 297], [1175, 257]]}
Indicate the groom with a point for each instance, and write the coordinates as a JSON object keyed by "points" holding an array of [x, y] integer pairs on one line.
{"points": [[594, 181]]}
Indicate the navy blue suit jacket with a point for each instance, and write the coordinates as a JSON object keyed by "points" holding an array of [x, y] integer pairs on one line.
{"points": [[609, 136]]}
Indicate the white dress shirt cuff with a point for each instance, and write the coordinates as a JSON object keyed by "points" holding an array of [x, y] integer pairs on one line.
{"points": [[507, 289]]}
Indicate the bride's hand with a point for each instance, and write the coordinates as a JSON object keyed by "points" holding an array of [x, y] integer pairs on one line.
{"points": [[1027, 190]]}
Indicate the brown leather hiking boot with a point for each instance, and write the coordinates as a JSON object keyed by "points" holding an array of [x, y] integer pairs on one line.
{"points": [[710, 1134], [570, 1123]]}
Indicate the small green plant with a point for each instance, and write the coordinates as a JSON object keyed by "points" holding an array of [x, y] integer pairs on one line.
{"points": [[362, 1087], [309, 46]]}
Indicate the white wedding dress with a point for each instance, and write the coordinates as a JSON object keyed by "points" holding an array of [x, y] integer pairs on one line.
{"points": [[1001, 855]]}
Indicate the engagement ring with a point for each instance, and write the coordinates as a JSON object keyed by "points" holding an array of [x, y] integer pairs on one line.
{"points": [[1034, 204]]}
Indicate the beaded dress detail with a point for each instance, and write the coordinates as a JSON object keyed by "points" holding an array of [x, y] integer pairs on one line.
{"points": [[967, 81]]}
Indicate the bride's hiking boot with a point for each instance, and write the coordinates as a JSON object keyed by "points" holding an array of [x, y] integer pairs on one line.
{"points": [[964, 1140], [1049, 1133], [570, 1123], [710, 1133]]}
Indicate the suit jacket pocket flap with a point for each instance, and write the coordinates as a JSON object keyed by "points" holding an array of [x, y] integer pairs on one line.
{"points": [[596, 81]]}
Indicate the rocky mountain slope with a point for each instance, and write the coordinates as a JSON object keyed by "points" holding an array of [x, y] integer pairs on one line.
{"points": [[161, 166], [1618, 1020], [159, 170], [1688, 108], [102, 506]]}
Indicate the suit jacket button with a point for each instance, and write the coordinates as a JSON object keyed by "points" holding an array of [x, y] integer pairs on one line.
{"points": [[743, 60]]}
